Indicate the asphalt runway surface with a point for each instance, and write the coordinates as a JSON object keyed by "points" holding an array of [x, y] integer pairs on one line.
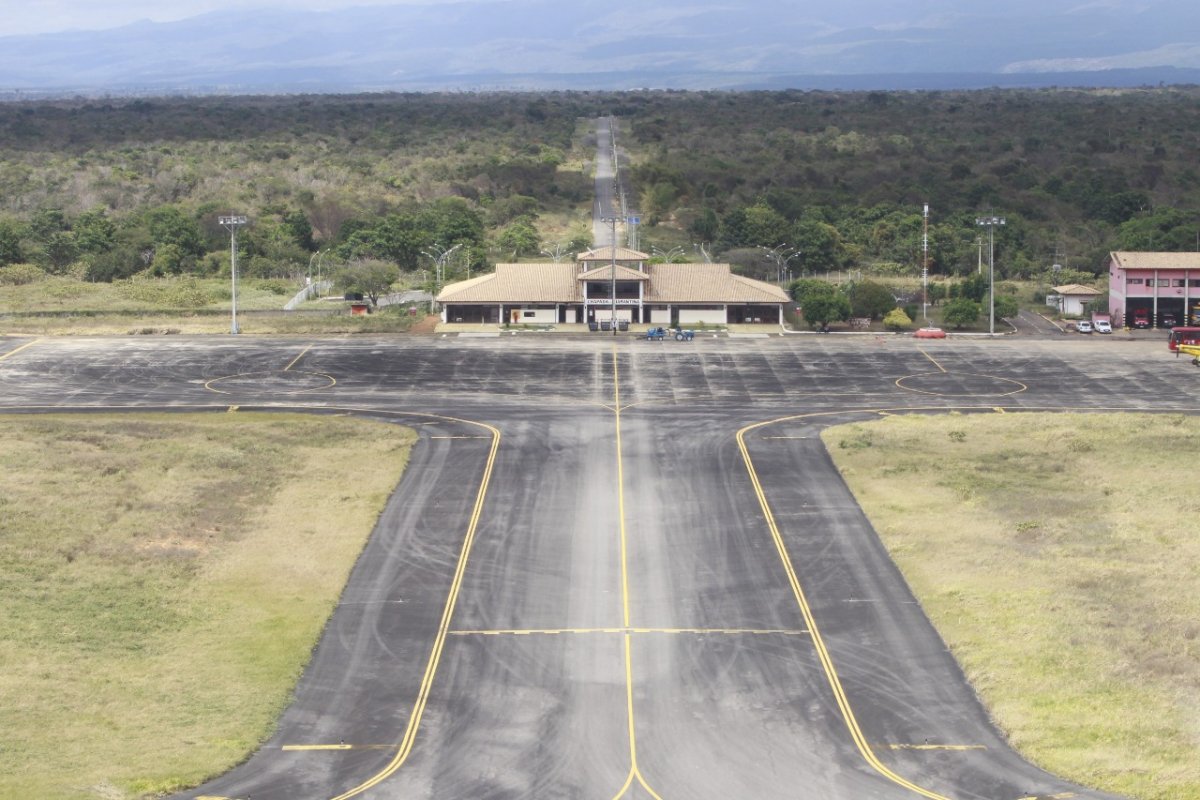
{"points": [[618, 568]]}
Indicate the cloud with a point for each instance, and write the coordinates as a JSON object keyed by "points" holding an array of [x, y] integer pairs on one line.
{"points": [[1181, 55]]}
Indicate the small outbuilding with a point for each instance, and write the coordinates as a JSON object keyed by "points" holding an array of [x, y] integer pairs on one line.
{"points": [[1072, 298]]}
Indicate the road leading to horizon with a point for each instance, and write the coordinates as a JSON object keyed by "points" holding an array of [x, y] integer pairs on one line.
{"points": [[607, 205], [619, 568]]}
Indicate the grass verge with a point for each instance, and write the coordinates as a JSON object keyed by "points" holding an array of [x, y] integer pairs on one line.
{"points": [[1057, 556], [164, 579]]}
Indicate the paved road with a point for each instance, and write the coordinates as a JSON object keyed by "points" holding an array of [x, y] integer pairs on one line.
{"points": [[620, 570], [607, 205]]}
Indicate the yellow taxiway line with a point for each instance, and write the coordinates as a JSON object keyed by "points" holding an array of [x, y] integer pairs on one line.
{"points": [[414, 720], [835, 682]]}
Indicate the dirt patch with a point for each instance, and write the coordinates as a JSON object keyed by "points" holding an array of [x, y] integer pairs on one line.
{"points": [[426, 325]]}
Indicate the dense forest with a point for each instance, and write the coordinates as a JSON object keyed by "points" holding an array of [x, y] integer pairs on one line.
{"points": [[112, 189]]}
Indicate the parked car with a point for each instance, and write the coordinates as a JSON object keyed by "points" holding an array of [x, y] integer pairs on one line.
{"points": [[1168, 320], [1083, 326], [1102, 326]]}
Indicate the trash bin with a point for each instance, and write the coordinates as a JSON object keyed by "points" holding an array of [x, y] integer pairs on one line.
{"points": [[622, 324], [593, 326]]}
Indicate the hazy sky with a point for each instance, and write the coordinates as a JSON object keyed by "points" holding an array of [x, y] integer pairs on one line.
{"points": [[44, 16]]}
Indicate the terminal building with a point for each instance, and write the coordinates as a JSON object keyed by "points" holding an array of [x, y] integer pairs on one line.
{"points": [[1165, 286], [588, 291]]}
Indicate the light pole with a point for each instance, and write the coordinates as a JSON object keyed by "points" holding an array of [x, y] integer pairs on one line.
{"points": [[232, 223], [779, 256], [667, 256], [991, 223], [439, 255]]}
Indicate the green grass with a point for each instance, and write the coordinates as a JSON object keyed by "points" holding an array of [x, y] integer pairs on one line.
{"points": [[163, 579], [1057, 556]]}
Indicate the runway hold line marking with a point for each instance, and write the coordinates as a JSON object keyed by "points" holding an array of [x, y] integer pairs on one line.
{"points": [[835, 682], [695, 631]]}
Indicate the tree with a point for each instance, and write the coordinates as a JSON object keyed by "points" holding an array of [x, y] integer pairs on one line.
{"points": [[94, 232], [803, 289], [961, 312], [1007, 307], [519, 238], [10, 243], [368, 277], [820, 244], [820, 310], [870, 299], [170, 225]]}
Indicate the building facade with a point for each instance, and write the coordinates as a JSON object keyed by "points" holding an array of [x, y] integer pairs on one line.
{"points": [[604, 285], [1165, 286]]}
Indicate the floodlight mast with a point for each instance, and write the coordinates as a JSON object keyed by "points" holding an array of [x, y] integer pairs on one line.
{"points": [[231, 223], [991, 223]]}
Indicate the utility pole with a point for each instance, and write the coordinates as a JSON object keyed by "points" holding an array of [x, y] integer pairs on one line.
{"points": [[925, 264]]}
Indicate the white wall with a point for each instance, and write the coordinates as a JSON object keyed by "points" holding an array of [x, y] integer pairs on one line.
{"points": [[538, 316], [709, 316], [660, 316]]}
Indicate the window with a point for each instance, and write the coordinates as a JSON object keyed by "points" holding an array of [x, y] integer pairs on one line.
{"points": [[1164, 281], [1135, 281], [528, 313], [1177, 282], [1194, 282]]}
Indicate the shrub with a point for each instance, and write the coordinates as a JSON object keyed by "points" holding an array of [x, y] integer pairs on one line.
{"points": [[897, 320], [21, 274]]}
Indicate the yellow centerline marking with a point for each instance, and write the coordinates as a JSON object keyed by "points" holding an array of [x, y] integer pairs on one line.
{"points": [[696, 631], [634, 770], [16, 350], [292, 363], [931, 358], [414, 720], [835, 682]]}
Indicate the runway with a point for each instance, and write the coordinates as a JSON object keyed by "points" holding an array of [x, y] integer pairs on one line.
{"points": [[617, 568]]}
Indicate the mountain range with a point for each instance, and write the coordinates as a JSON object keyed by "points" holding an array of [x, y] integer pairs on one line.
{"points": [[622, 44]]}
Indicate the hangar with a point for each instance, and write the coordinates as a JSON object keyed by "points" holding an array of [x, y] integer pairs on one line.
{"points": [[607, 283]]}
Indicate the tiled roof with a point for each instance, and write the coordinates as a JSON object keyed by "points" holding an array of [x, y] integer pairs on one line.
{"points": [[1076, 288], [1133, 260], [606, 254], [560, 283], [605, 274], [699, 283], [510, 283]]}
